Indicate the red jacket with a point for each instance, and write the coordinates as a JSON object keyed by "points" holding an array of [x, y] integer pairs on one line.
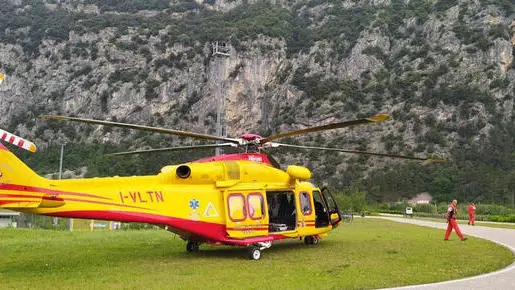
{"points": [[472, 209]]}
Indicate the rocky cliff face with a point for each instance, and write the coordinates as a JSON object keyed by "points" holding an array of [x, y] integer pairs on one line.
{"points": [[442, 69]]}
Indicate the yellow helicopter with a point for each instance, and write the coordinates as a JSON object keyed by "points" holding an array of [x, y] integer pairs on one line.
{"points": [[242, 199]]}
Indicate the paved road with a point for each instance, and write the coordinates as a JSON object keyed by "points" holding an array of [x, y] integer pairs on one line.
{"points": [[502, 279]]}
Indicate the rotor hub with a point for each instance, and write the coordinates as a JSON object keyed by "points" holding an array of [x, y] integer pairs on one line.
{"points": [[250, 137]]}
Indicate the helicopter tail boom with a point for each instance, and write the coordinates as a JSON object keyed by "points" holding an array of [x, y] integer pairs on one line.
{"points": [[16, 179]]}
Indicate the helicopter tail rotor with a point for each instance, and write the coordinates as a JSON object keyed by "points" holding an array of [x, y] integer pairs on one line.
{"points": [[18, 141]]}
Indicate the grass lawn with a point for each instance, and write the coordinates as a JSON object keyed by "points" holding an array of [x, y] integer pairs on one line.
{"points": [[364, 254]]}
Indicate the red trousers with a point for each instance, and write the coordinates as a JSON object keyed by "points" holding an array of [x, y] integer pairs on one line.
{"points": [[453, 225], [472, 218]]}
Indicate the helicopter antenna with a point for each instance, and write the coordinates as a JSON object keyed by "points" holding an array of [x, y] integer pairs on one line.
{"points": [[220, 52]]}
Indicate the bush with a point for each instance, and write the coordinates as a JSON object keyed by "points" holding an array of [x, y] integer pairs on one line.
{"points": [[493, 209], [443, 5], [425, 208], [499, 83], [503, 219], [355, 202], [375, 51]]}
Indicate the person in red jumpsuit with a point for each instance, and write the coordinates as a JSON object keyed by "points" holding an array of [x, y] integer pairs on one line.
{"points": [[472, 214], [452, 213]]}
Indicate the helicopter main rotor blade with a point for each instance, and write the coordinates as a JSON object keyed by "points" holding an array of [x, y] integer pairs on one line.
{"points": [[376, 118], [142, 128], [173, 149], [426, 159]]}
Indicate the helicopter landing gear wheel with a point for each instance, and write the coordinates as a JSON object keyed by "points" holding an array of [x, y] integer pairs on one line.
{"points": [[311, 240], [192, 247], [254, 253]]}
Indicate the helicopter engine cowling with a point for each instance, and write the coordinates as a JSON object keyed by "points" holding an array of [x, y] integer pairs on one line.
{"points": [[183, 171], [298, 172], [227, 173], [198, 173]]}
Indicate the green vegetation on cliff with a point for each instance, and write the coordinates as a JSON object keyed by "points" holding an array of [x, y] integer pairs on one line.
{"points": [[442, 69]]}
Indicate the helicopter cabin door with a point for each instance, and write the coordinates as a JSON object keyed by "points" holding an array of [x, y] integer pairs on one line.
{"points": [[334, 213], [245, 213]]}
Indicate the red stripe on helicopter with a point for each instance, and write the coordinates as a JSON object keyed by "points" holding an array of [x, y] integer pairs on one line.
{"points": [[210, 231], [31, 197], [104, 203], [48, 191], [2, 202], [255, 157], [19, 195], [250, 228]]}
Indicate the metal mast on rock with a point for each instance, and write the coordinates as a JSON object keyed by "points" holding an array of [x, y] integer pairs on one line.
{"points": [[221, 52]]}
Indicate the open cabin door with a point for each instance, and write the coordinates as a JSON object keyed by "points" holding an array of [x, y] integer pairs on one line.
{"points": [[334, 213], [245, 213], [282, 210]]}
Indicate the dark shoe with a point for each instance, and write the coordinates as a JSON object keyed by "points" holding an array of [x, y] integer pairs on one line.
{"points": [[468, 223], [446, 240], [464, 239]]}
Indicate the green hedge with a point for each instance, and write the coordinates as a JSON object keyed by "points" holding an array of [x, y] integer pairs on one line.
{"points": [[504, 219], [484, 212]]}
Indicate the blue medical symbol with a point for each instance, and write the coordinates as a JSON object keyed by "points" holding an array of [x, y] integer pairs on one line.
{"points": [[194, 204]]}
